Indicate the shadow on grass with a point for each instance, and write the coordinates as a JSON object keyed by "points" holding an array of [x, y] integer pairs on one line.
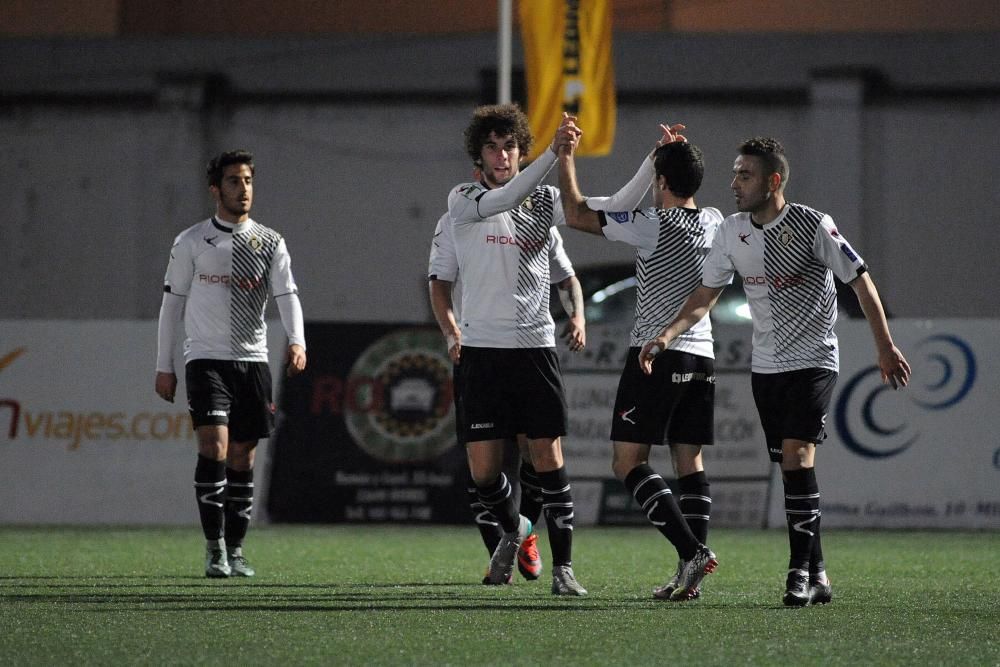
{"points": [[208, 596]]}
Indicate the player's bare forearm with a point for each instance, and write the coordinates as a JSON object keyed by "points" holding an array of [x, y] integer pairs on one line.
{"points": [[894, 367], [696, 307], [578, 214], [444, 314], [571, 297], [871, 306]]}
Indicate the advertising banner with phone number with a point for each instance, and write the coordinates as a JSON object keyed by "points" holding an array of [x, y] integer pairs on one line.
{"points": [[927, 456], [367, 433]]}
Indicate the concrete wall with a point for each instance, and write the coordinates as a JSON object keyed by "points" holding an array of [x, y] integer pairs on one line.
{"points": [[265, 17], [358, 142]]}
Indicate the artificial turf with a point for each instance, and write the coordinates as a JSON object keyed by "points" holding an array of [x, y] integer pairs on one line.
{"points": [[393, 595]]}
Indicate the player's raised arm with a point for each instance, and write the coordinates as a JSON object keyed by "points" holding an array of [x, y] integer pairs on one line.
{"points": [[476, 202], [578, 214], [630, 196]]}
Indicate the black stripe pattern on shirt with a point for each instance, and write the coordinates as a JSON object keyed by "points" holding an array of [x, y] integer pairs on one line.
{"points": [[801, 291], [533, 224], [665, 278], [253, 252]]}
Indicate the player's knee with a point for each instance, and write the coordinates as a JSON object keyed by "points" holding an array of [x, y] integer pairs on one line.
{"points": [[213, 450], [797, 454], [621, 466], [240, 457]]}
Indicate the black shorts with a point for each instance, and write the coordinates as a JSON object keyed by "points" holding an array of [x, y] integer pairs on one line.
{"points": [[501, 392], [674, 405], [234, 393], [793, 405]]}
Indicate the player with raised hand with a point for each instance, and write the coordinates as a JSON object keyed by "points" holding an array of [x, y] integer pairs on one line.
{"points": [[508, 378], [674, 405], [788, 255], [444, 284]]}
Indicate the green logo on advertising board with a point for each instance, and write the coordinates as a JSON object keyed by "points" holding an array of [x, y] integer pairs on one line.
{"points": [[402, 410]]}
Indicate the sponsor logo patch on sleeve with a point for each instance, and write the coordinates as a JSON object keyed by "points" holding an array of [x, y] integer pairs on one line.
{"points": [[847, 250], [619, 216]]}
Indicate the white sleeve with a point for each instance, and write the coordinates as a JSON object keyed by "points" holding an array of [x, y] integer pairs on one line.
{"points": [[290, 310], [640, 229], [282, 281], [473, 202], [180, 268], [833, 250], [719, 269], [443, 261], [171, 312], [631, 194], [558, 213], [560, 268]]}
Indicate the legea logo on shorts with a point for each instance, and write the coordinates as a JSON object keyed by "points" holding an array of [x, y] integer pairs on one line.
{"points": [[481, 425], [868, 412]]}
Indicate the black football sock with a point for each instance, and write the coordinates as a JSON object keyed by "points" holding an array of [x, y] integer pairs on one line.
{"points": [[802, 515], [695, 502], [816, 564], [496, 497], [210, 487], [657, 502], [238, 506], [531, 492], [557, 504], [489, 527]]}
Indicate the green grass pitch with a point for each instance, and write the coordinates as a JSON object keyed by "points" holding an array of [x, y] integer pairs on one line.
{"points": [[389, 595]]}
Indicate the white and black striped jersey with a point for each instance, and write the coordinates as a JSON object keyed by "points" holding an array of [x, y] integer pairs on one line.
{"points": [[502, 239], [787, 267], [671, 247], [443, 264], [227, 272]]}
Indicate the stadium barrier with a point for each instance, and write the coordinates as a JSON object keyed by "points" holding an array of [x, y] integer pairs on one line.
{"points": [[84, 439], [367, 433]]}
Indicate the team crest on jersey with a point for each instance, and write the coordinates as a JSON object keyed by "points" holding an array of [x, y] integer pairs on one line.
{"points": [[528, 204], [786, 236], [255, 243]]}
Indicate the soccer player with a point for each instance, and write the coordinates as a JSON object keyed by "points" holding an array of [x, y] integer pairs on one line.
{"points": [[445, 289], [675, 404], [220, 274], [787, 255], [508, 381]]}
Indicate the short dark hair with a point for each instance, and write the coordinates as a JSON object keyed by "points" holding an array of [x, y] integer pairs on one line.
{"points": [[682, 164], [218, 164], [771, 152], [502, 119]]}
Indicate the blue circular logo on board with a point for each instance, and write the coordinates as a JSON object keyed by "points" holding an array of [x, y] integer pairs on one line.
{"points": [[878, 431]]}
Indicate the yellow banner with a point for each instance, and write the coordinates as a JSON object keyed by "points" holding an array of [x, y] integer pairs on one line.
{"points": [[567, 55]]}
